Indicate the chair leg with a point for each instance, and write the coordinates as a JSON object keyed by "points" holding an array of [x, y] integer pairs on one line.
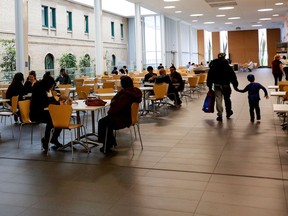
{"points": [[50, 137], [139, 134], [105, 142], [20, 135], [72, 149], [12, 128], [131, 140]]}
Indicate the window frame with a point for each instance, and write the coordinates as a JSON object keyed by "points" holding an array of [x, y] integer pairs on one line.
{"points": [[45, 19], [52, 18], [86, 24], [112, 29], [122, 30], [69, 21]]}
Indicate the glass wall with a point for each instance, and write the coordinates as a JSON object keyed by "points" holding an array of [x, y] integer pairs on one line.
{"points": [[263, 52], [208, 55], [224, 43]]}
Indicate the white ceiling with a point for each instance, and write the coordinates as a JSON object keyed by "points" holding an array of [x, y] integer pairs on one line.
{"points": [[245, 9]]}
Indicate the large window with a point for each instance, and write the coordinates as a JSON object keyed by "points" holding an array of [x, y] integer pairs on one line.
{"points": [[112, 30], [263, 52], [224, 42], [52, 17], [49, 61], [44, 16], [122, 31], [86, 24], [69, 20], [208, 46]]}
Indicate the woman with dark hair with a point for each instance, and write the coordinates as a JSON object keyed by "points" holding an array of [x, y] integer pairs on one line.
{"points": [[277, 69], [31, 80], [119, 114], [41, 98]]}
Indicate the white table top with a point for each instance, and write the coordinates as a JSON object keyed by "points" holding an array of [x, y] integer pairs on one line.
{"points": [[79, 105], [62, 89], [280, 107], [273, 87], [4, 100], [146, 88], [4, 89], [278, 93], [105, 94]]}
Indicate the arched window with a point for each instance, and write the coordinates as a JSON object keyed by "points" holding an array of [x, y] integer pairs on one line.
{"points": [[49, 61], [113, 63]]}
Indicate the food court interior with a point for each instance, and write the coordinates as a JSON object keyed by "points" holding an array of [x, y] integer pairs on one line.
{"points": [[190, 165]]}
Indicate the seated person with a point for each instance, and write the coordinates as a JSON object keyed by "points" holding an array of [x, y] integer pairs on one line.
{"points": [[250, 66], [41, 98], [63, 78], [172, 93], [177, 83], [150, 76], [31, 80], [115, 71], [123, 70], [119, 114], [160, 66]]}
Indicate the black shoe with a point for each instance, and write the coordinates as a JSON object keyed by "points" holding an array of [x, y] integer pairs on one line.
{"points": [[44, 144], [252, 120], [219, 118], [230, 113], [57, 143], [258, 118]]}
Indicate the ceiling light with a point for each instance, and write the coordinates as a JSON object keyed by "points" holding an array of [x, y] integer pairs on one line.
{"points": [[265, 19], [228, 23], [233, 18], [169, 7], [220, 15], [256, 25], [208, 23], [265, 9], [178, 11], [171, 0], [226, 8], [196, 15], [279, 3], [275, 15]]}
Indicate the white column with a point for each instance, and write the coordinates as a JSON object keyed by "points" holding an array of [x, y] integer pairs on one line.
{"points": [[178, 60], [285, 30], [21, 36], [190, 44], [98, 37], [163, 46], [138, 37]]}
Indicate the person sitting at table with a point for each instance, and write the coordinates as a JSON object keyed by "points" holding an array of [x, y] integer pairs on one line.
{"points": [[16, 88], [177, 83], [119, 114], [150, 76], [160, 66], [63, 78], [41, 98], [31, 80], [250, 65], [115, 71], [124, 70], [172, 93]]}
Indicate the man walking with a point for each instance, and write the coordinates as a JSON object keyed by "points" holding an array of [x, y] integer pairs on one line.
{"points": [[220, 75]]}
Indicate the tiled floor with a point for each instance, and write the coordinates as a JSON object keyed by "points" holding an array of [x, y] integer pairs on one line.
{"points": [[191, 165]]}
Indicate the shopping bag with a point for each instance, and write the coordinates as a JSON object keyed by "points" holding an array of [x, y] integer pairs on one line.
{"points": [[92, 101], [209, 102]]}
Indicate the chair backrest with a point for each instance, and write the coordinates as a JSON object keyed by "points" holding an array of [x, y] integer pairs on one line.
{"points": [[83, 91], [193, 81], [160, 90], [105, 90], [202, 78], [285, 88], [65, 93], [24, 108], [88, 82], [60, 115], [134, 113], [108, 84], [64, 86], [116, 76], [281, 85], [78, 82], [14, 103]]}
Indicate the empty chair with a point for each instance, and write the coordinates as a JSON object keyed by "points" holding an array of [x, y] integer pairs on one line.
{"points": [[160, 95], [24, 108], [202, 80], [64, 86], [78, 82], [193, 84], [108, 85], [105, 90], [84, 91]]}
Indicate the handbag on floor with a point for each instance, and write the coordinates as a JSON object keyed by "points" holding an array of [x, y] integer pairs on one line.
{"points": [[209, 102]]}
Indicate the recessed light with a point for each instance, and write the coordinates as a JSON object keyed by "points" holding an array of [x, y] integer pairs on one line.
{"points": [[196, 15], [220, 15], [226, 8], [169, 7], [178, 11], [228, 23], [265, 19], [265, 9], [171, 0], [194, 20], [256, 25], [279, 3], [233, 18], [275, 15], [207, 23]]}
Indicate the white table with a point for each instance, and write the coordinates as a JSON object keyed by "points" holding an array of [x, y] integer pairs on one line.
{"points": [[282, 108], [278, 94], [105, 94], [274, 87]]}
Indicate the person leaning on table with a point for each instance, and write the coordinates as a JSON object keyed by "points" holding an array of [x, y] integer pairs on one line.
{"points": [[119, 114], [41, 98]]}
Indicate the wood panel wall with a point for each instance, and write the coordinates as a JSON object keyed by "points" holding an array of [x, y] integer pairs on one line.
{"points": [[273, 37], [200, 45], [216, 44]]}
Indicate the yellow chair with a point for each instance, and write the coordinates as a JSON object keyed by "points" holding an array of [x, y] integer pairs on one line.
{"points": [[88, 82], [9, 113], [160, 96], [78, 82], [64, 86], [116, 76], [105, 90], [202, 80], [61, 115], [83, 91], [108, 85], [193, 84], [134, 122], [24, 108]]}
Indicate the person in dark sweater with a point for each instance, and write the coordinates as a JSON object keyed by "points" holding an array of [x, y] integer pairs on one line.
{"points": [[253, 89], [31, 80]]}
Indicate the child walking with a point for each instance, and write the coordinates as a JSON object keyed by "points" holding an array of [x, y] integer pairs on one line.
{"points": [[253, 89]]}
